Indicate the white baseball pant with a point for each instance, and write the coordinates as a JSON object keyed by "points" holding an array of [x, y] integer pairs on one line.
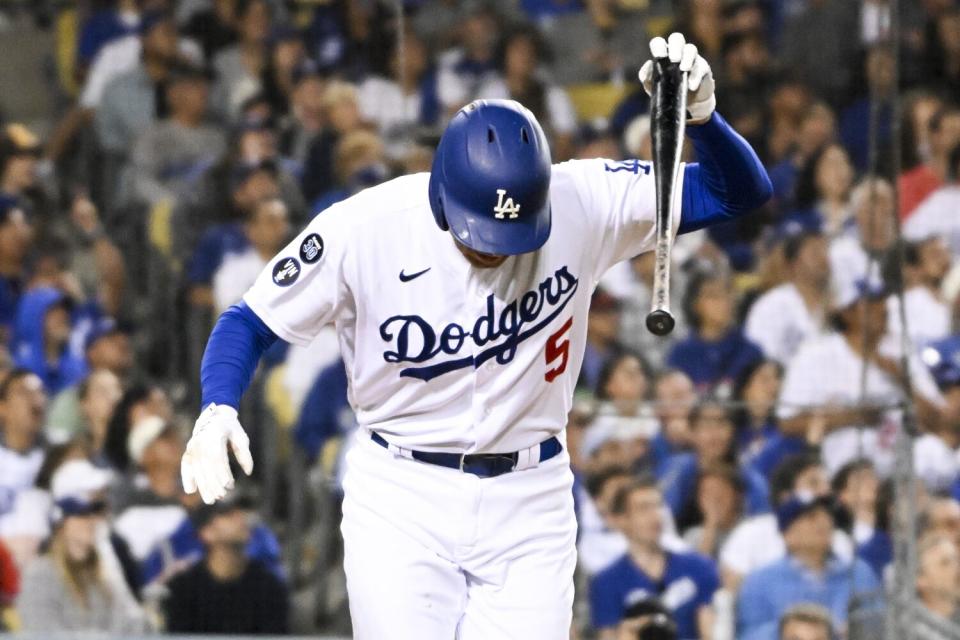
{"points": [[436, 554]]}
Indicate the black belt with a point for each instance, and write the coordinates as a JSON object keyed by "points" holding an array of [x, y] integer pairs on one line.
{"points": [[483, 465]]}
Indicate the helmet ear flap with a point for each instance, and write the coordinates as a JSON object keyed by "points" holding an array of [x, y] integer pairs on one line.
{"points": [[439, 215], [435, 193]]}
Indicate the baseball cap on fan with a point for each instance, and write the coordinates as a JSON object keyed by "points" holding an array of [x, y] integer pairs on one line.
{"points": [[77, 488], [799, 505], [942, 358], [852, 291], [611, 428], [143, 434]]}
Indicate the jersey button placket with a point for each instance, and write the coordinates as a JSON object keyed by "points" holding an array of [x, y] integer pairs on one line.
{"points": [[478, 294]]}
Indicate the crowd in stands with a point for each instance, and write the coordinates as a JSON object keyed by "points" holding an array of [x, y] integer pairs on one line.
{"points": [[736, 474]]}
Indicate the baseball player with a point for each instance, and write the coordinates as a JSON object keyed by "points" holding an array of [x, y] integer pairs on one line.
{"points": [[460, 299]]}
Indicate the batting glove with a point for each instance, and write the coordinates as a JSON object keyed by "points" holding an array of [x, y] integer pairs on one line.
{"points": [[701, 100], [205, 465]]}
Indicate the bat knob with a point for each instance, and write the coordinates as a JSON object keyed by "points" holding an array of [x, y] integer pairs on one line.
{"points": [[660, 322]]}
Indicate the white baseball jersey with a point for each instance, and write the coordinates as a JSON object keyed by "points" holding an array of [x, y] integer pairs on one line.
{"points": [[442, 356], [780, 321], [826, 370]]}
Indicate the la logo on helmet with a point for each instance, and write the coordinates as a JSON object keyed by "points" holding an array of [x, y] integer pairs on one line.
{"points": [[504, 208]]}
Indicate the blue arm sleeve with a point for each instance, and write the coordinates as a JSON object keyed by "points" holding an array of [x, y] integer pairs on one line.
{"points": [[238, 341], [728, 181]]}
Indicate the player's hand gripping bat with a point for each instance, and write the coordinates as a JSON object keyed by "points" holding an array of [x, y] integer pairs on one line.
{"points": [[668, 115]]}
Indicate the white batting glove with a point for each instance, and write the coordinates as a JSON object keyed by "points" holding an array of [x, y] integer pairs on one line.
{"points": [[701, 101], [206, 465]]}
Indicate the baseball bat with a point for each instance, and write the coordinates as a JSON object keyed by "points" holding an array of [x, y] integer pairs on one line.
{"points": [[668, 117]]}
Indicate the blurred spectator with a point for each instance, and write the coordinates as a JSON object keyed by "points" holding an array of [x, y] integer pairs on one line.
{"points": [[93, 269], [22, 412], [877, 550], [817, 128], [938, 576], [787, 105], [226, 592], [617, 441], [855, 487], [601, 542], [16, 236], [603, 328], [746, 76], [941, 516], [822, 389], [341, 115], [107, 348], [169, 153], [675, 397], [267, 229], [784, 317], [819, 48], [359, 162], [27, 526], [755, 395], [943, 47], [117, 18], [404, 100], [757, 542], [702, 21], [647, 566], [73, 587], [823, 189], [855, 119], [808, 573], [184, 548], [99, 394], [463, 69], [806, 622], [142, 44], [43, 339], [213, 27], [720, 501], [715, 351], [926, 264], [933, 216], [916, 184], [623, 384], [919, 108], [713, 444], [132, 99], [19, 167], [75, 475], [865, 251], [137, 402], [305, 121], [239, 67], [285, 55], [249, 183], [151, 509], [520, 64]]}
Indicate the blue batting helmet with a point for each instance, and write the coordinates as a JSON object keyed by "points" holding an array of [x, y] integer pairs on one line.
{"points": [[490, 180]]}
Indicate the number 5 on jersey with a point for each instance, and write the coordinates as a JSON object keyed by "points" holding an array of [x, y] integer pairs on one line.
{"points": [[558, 347]]}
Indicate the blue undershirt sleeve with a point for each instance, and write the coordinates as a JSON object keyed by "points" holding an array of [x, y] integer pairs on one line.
{"points": [[729, 179], [236, 344]]}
